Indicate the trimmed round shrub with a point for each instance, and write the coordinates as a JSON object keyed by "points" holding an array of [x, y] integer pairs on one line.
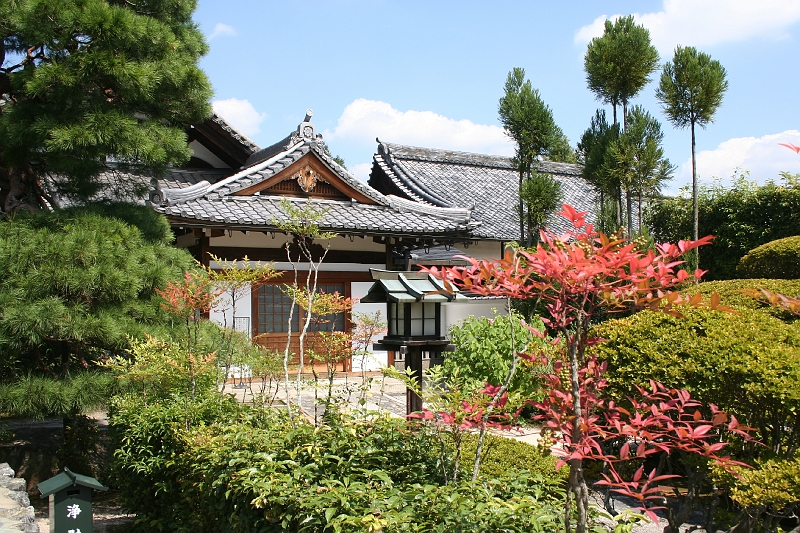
{"points": [[747, 363], [778, 259]]}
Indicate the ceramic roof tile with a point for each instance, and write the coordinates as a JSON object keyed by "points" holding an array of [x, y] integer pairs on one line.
{"points": [[486, 183]]}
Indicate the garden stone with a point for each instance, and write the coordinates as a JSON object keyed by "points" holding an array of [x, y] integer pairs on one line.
{"points": [[19, 497], [12, 483], [6, 470]]}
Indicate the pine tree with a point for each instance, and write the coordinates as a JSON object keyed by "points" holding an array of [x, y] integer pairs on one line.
{"points": [[78, 284], [83, 82], [690, 90], [529, 122]]}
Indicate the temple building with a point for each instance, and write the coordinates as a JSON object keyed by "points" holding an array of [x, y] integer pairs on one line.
{"points": [[420, 207]]}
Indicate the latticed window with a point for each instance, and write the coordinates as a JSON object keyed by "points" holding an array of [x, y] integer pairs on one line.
{"points": [[273, 310], [274, 307]]}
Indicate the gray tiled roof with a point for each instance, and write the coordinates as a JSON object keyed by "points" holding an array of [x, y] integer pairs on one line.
{"points": [[244, 141], [341, 216], [200, 199], [486, 183]]}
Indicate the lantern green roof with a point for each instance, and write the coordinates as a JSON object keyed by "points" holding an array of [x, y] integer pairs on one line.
{"points": [[66, 479], [409, 287]]}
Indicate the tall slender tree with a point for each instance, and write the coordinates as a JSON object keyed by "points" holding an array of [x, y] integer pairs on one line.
{"points": [[530, 124], [691, 89], [619, 64], [593, 149], [636, 159], [83, 82]]}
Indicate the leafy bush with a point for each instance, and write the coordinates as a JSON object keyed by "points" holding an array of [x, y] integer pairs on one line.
{"points": [[778, 259], [742, 217], [731, 295], [242, 469], [507, 457], [484, 354], [747, 363]]}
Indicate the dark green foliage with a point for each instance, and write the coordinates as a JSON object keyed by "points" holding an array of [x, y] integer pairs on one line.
{"points": [[691, 87], [42, 396], [241, 469], [778, 259], [594, 151], [619, 63], [741, 216], [747, 363], [635, 160], [86, 79], [541, 197], [76, 284]]}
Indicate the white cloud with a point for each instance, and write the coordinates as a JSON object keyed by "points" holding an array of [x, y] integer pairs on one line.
{"points": [[240, 114], [361, 171], [704, 23], [364, 120], [762, 156], [222, 30]]}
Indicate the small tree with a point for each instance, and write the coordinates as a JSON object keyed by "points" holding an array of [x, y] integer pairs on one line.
{"points": [[303, 224], [529, 122], [593, 149], [541, 195], [619, 63], [691, 89], [635, 160], [577, 279]]}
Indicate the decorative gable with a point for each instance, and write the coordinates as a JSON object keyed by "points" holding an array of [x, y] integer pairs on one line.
{"points": [[308, 177]]}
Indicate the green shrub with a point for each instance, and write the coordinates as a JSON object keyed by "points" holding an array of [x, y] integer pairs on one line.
{"points": [[505, 457], [742, 216], [730, 292], [484, 354], [778, 259], [747, 363], [242, 469]]}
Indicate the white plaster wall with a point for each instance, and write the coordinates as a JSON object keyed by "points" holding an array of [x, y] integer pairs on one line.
{"points": [[484, 249], [258, 239], [455, 312], [201, 152], [223, 313], [378, 359]]}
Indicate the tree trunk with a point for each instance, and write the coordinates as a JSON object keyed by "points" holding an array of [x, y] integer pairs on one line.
{"points": [[695, 205], [521, 212], [577, 482], [629, 206]]}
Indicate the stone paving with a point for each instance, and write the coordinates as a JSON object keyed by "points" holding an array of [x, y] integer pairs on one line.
{"points": [[378, 393]]}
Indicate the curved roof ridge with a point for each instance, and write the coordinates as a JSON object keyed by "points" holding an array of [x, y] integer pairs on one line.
{"points": [[243, 140], [438, 155], [417, 188], [345, 174]]}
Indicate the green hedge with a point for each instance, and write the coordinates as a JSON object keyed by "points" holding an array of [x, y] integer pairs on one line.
{"points": [[741, 216], [747, 363], [503, 456], [240, 469], [779, 259]]}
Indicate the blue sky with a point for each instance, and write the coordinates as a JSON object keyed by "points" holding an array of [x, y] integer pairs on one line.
{"points": [[430, 73]]}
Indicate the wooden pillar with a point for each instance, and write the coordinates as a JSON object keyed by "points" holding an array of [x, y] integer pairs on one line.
{"points": [[414, 362]]}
